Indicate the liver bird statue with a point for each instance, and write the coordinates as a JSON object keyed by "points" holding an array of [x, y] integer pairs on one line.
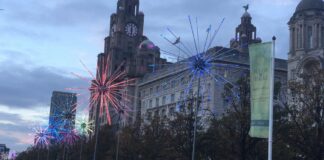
{"points": [[246, 7]]}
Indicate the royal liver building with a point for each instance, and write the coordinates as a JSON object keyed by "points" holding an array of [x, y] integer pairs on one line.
{"points": [[162, 86]]}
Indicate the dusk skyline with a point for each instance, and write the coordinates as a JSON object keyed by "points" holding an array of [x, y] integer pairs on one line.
{"points": [[42, 43]]}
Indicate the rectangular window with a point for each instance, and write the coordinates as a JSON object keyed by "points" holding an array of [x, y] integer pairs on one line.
{"points": [[149, 115], [129, 48], [163, 113], [317, 41], [190, 78], [277, 79], [293, 74], [172, 111], [182, 95], [143, 104], [299, 40], [172, 98], [165, 86], [191, 91], [182, 81], [156, 113], [157, 89], [163, 100], [309, 37], [208, 87], [322, 37], [143, 94], [173, 84], [151, 91], [157, 102], [151, 103], [292, 38]]}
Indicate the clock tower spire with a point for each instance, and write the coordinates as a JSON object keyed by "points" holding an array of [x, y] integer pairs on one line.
{"points": [[125, 44], [125, 34]]}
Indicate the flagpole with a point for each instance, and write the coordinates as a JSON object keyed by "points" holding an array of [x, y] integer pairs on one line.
{"points": [[271, 99]]}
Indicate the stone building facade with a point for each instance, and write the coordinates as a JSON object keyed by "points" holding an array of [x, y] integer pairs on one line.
{"points": [[162, 92], [306, 38]]}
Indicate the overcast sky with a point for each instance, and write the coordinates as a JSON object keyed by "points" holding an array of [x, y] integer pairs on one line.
{"points": [[42, 42]]}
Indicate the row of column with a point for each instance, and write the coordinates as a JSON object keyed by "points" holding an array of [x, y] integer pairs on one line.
{"points": [[304, 36]]}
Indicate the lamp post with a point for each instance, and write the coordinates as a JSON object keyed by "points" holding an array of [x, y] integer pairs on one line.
{"points": [[195, 122], [96, 131]]}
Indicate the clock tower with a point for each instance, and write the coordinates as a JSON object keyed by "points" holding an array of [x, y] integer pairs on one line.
{"points": [[126, 45], [125, 35]]}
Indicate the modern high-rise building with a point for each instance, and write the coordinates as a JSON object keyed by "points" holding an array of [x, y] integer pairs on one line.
{"points": [[63, 110]]}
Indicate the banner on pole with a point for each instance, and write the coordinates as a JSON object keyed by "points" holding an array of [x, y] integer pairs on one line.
{"points": [[260, 79]]}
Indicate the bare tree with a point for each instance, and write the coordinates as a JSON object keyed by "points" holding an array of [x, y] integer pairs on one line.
{"points": [[306, 115]]}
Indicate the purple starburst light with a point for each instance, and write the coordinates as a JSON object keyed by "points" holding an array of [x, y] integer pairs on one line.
{"points": [[42, 137], [69, 136]]}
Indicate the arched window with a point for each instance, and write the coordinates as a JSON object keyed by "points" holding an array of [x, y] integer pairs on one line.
{"points": [[311, 67]]}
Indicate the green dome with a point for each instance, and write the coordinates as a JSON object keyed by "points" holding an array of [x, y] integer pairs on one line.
{"points": [[310, 5]]}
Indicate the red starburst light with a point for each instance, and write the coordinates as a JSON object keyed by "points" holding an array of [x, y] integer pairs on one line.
{"points": [[108, 87]]}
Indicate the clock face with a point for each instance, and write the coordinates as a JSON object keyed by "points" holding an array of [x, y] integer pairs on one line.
{"points": [[131, 29]]}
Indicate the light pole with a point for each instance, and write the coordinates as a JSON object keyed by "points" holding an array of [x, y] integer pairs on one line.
{"points": [[81, 148], [96, 131], [118, 137], [195, 123]]}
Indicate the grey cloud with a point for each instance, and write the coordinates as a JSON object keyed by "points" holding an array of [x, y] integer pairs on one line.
{"points": [[24, 32], [20, 127], [61, 13], [161, 15], [21, 87]]}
